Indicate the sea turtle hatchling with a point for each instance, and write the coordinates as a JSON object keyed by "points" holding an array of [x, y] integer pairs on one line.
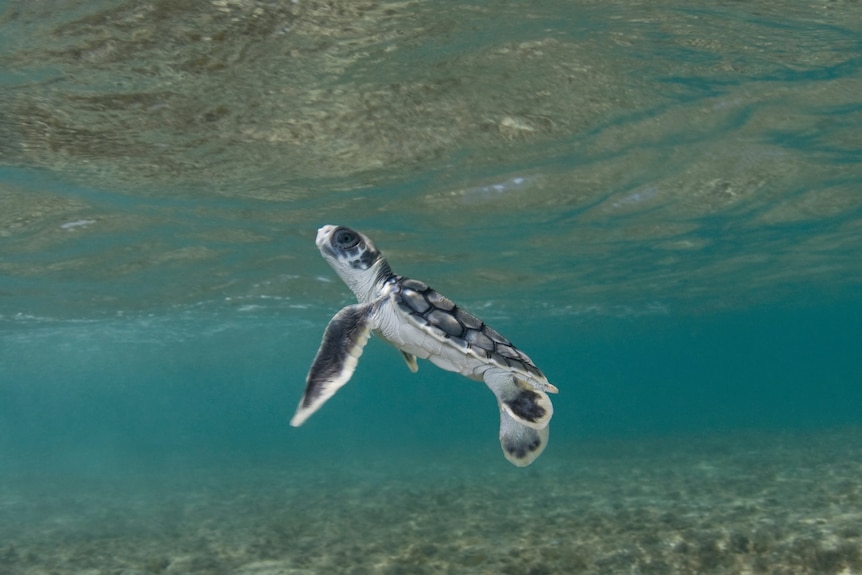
{"points": [[422, 323]]}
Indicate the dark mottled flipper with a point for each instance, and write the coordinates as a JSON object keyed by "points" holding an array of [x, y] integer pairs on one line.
{"points": [[342, 344], [521, 444], [526, 404]]}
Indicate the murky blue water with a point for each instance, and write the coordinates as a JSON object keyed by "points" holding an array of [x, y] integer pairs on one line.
{"points": [[659, 203]]}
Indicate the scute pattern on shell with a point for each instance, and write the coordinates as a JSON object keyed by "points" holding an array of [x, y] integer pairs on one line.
{"points": [[463, 329]]}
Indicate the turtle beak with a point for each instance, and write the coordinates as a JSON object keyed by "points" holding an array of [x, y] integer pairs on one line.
{"points": [[323, 235]]}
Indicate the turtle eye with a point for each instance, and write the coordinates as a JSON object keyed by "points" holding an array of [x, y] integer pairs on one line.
{"points": [[346, 239]]}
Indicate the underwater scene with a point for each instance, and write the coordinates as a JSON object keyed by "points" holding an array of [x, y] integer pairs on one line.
{"points": [[642, 220]]}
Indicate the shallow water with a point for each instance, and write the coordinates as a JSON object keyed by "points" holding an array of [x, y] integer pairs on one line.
{"points": [[658, 202]]}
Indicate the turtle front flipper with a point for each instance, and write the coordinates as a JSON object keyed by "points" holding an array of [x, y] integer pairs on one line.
{"points": [[343, 341], [526, 404], [521, 444]]}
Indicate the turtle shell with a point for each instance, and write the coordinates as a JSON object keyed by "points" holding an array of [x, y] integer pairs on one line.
{"points": [[446, 321]]}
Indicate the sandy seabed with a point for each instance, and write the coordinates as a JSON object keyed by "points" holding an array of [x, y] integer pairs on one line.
{"points": [[743, 503]]}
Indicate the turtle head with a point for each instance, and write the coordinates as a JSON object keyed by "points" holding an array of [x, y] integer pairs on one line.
{"points": [[355, 259]]}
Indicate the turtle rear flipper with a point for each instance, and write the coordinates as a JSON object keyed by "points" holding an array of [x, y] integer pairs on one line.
{"points": [[524, 403], [521, 444], [343, 341], [410, 359]]}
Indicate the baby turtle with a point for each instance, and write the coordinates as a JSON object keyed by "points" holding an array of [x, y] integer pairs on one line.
{"points": [[422, 323]]}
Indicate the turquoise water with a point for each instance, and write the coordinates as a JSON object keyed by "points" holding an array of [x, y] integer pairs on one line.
{"points": [[659, 203]]}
